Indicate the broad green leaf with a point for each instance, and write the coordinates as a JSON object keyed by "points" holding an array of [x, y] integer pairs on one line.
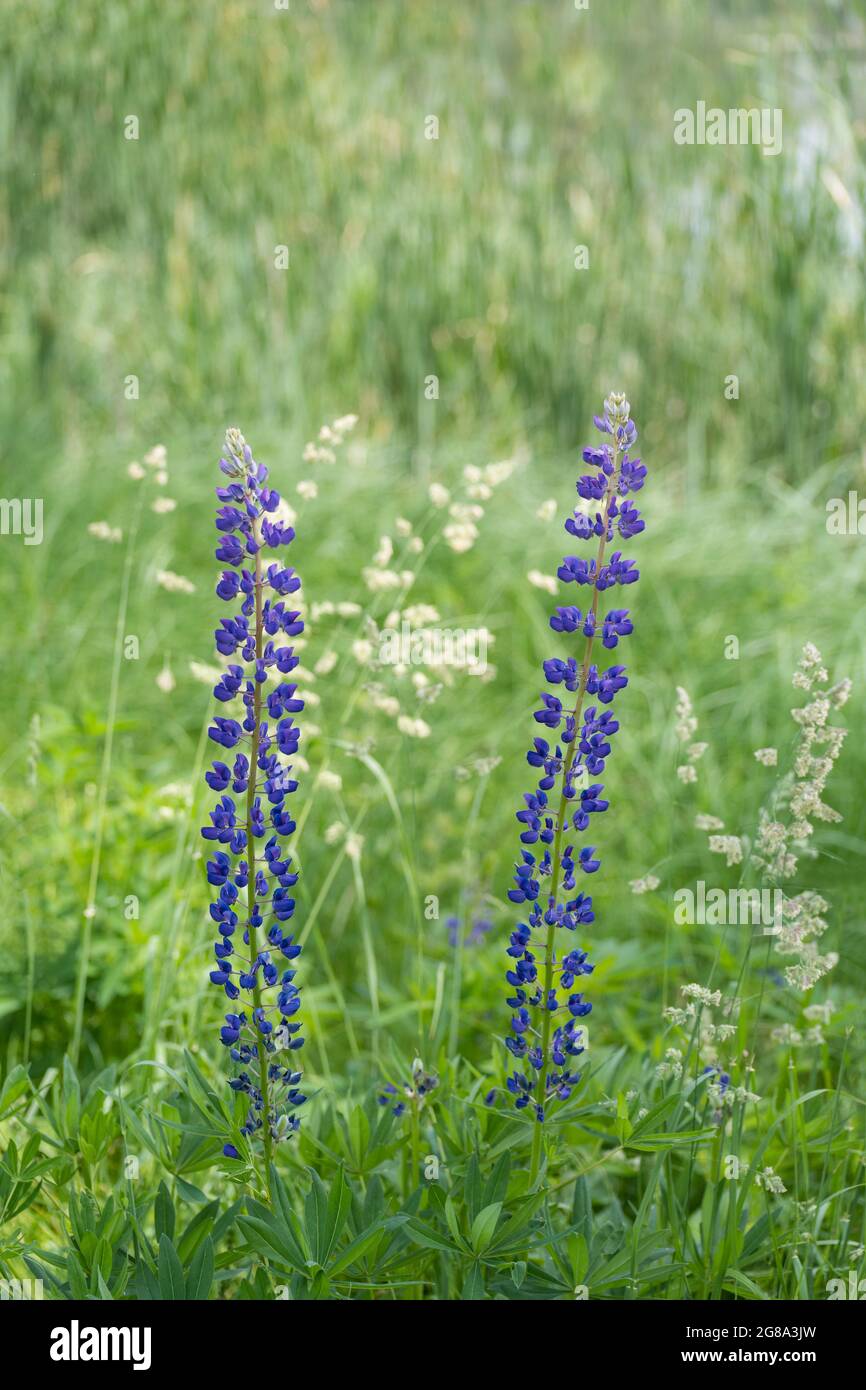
{"points": [[172, 1285], [268, 1239], [17, 1083], [483, 1227], [163, 1213], [200, 1275], [357, 1248], [473, 1288], [427, 1236]]}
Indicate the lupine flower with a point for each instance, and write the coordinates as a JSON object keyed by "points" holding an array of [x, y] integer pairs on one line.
{"points": [[256, 953], [546, 967], [415, 1091]]}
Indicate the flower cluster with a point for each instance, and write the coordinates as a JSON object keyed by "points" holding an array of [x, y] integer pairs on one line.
{"points": [[546, 1033], [696, 1019], [250, 869], [784, 837], [687, 727]]}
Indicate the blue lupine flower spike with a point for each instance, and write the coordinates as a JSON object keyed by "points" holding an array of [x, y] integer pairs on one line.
{"points": [[249, 862], [546, 1031]]}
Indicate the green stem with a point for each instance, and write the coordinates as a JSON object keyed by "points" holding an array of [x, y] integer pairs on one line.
{"points": [[102, 796], [549, 954], [416, 1147]]}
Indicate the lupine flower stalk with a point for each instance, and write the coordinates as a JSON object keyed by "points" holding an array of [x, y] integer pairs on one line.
{"points": [[546, 1035], [251, 870]]}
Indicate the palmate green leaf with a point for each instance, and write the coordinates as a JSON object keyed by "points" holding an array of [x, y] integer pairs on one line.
{"points": [[43, 1272], [496, 1186], [365, 1145], [453, 1222], [515, 1227], [76, 1276], [316, 1215], [172, 1284], [358, 1247], [163, 1213], [483, 1227], [268, 1239], [201, 1271], [289, 1226], [581, 1208], [312, 1141], [202, 1094], [197, 1154], [71, 1098], [622, 1123], [617, 1268], [153, 1143], [196, 1231], [103, 1257], [359, 1133], [472, 1187], [473, 1285], [578, 1255], [373, 1206], [657, 1143], [23, 1198], [16, 1084], [431, 1239], [150, 1281], [325, 1214], [537, 1285]]}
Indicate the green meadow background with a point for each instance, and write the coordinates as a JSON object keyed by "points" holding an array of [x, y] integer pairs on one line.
{"points": [[411, 258]]}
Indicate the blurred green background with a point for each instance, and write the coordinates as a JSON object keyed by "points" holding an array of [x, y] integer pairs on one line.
{"points": [[411, 258]]}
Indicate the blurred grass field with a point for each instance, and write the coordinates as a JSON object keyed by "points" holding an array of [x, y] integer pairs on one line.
{"points": [[411, 258]]}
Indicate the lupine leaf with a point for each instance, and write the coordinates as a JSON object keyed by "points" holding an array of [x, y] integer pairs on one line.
{"points": [[171, 1281], [268, 1239], [15, 1085], [425, 1235], [483, 1227], [357, 1248], [201, 1270], [473, 1287], [163, 1213]]}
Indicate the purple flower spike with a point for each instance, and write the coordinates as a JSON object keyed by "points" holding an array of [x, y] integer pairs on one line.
{"points": [[251, 872], [546, 1033]]}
